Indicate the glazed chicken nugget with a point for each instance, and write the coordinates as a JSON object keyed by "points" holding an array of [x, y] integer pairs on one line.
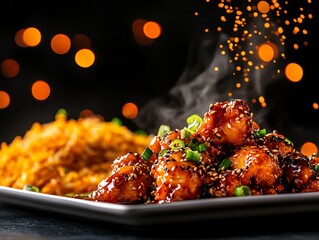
{"points": [[176, 179], [228, 122], [258, 166]]}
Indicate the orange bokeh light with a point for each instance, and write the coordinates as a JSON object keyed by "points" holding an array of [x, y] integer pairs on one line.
{"points": [[130, 110], [84, 58], [60, 43], [10, 68], [139, 35], [152, 29], [31, 36], [266, 52], [309, 148], [18, 38], [294, 72], [85, 113], [4, 99], [263, 7], [40, 90]]}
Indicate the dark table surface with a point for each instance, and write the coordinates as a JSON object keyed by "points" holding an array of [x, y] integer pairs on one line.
{"points": [[18, 222]]}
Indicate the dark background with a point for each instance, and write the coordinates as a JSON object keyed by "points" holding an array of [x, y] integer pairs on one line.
{"points": [[126, 71]]}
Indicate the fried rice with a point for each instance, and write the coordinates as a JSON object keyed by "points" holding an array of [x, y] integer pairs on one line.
{"points": [[66, 155]]}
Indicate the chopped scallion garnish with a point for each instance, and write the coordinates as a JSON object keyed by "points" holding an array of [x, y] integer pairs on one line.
{"points": [[79, 195], [186, 133], [163, 152], [31, 188], [193, 122], [117, 121], [62, 112], [194, 118], [163, 130], [201, 147], [192, 155], [242, 190], [147, 153], [224, 164], [289, 141], [261, 133], [195, 145], [177, 144]]}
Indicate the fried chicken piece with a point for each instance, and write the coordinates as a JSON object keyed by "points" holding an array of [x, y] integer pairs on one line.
{"points": [[224, 184], [266, 164], [130, 181], [176, 178], [312, 186], [258, 166], [227, 123], [278, 144], [297, 170]]}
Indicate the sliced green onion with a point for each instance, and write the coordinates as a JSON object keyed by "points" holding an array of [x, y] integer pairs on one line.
{"points": [[192, 155], [177, 144], [289, 141], [201, 147], [316, 167], [117, 121], [261, 133], [31, 188], [186, 133], [62, 111], [242, 190], [147, 153], [163, 152], [224, 164], [194, 118], [79, 195], [192, 143], [193, 122], [195, 145], [193, 126], [163, 130], [198, 146]]}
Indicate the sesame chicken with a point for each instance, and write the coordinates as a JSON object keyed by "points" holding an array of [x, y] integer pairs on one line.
{"points": [[176, 179], [224, 154], [228, 123], [258, 166]]}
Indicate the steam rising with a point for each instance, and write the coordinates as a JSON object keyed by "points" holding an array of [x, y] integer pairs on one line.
{"points": [[208, 78], [226, 65]]}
